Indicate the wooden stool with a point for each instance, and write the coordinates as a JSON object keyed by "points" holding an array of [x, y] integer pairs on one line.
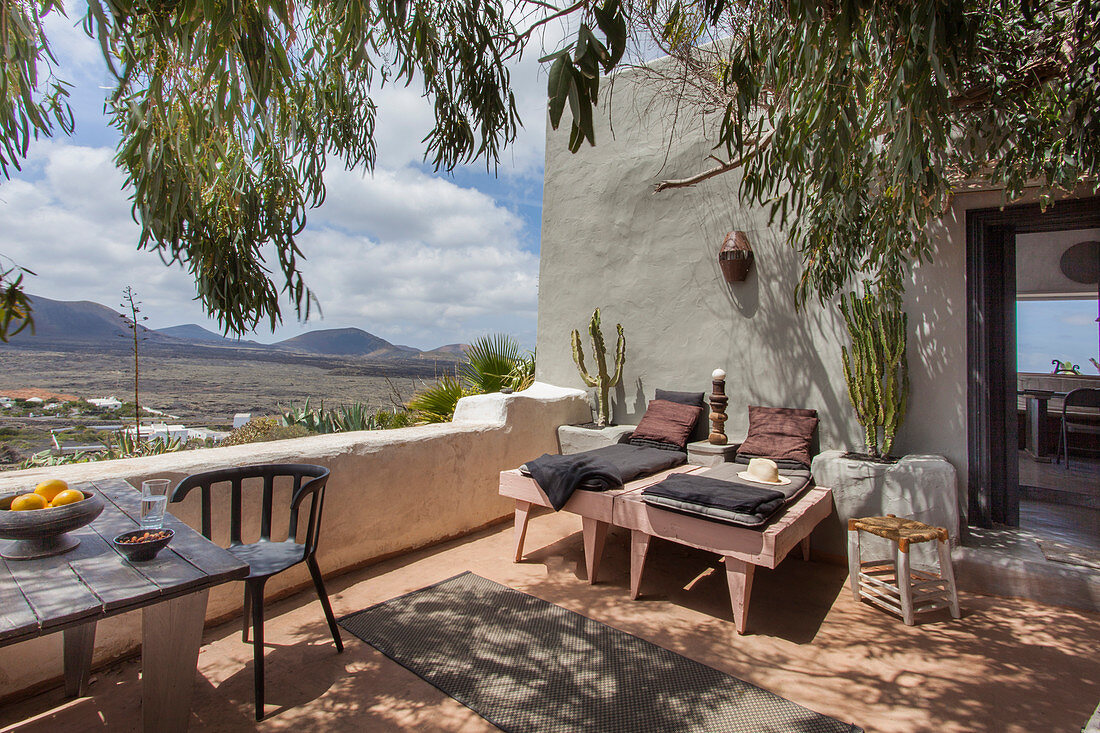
{"points": [[893, 585]]}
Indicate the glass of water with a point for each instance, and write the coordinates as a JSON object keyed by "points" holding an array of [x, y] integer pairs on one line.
{"points": [[154, 500]]}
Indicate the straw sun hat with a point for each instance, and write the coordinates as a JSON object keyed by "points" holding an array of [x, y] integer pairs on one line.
{"points": [[763, 471]]}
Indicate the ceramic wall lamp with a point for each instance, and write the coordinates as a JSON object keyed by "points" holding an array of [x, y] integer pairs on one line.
{"points": [[735, 258]]}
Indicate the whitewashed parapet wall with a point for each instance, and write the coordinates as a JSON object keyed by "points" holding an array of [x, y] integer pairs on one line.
{"points": [[390, 491]]}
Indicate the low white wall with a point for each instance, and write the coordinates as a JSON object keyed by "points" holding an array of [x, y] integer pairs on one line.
{"points": [[390, 491]]}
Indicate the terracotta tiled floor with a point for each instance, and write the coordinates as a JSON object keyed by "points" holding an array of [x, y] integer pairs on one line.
{"points": [[1008, 665]]}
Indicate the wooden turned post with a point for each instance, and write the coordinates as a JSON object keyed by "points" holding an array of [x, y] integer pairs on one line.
{"points": [[718, 402]]}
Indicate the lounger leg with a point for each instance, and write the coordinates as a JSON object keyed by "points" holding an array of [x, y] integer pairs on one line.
{"points": [[853, 562], [806, 548], [947, 572], [739, 576], [523, 513], [595, 534], [905, 585], [639, 546]]}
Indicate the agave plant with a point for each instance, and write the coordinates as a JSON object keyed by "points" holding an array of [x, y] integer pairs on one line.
{"points": [[128, 446], [345, 419]]}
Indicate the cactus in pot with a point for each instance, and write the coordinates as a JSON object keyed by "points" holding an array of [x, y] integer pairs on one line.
{"points": [[875, 368], [602, 381]]}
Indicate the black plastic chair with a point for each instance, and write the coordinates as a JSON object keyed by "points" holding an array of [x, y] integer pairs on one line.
{"points": [[1080, 397], [265, 557]]}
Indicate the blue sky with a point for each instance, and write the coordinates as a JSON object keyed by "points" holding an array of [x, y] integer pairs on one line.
{"points": [[1059, 329], [416, 257]]}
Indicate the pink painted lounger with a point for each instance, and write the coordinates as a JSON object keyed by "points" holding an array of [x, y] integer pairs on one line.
{"points": [[742, 548]]}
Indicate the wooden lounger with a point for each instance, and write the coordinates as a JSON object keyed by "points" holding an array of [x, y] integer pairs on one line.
{"points": [[595, 509], [742, 548]]}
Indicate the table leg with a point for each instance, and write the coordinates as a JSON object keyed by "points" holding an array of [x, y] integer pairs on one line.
{"points": [[805, 548], [78, 642], [639, 546], [595, 534], [523, 514], [739, 576], [171, 633], [1037, 433]]}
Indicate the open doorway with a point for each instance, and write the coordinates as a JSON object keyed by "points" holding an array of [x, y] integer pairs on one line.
{"points": [[1058, 387], [999, 484]]}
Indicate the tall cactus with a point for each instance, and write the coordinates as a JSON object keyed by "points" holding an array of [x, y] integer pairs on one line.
{"points": [[602, 381], [876, 369]]}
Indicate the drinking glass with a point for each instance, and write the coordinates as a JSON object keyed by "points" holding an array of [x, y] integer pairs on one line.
{"points": [[154, 500]]}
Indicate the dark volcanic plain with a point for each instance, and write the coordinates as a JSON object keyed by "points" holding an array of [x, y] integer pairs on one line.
{"points": [[206, 385]]}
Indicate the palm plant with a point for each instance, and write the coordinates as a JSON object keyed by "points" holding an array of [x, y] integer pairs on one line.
{"points": [[492, 362], [437, 403], [489, 363]]}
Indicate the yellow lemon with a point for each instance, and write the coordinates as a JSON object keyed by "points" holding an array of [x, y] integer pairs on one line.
{"points": [[26, 502], [69, 496], [49, 489]]}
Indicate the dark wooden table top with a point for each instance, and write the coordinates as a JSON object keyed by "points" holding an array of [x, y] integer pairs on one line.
{"points": [[95, 581]]}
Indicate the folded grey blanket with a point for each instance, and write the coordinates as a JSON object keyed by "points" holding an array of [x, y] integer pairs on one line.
{"points": [[718, 494], [560, 476], [721, 495], [595, 470]]}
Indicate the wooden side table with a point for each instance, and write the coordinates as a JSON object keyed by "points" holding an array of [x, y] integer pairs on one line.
{"points": [[892, 584]]}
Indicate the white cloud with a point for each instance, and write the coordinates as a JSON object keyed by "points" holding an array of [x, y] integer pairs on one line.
{"points": [[406, 255], [401, 254], [1079, 319]]}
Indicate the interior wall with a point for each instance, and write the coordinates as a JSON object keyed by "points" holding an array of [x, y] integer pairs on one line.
{"points": [[1038, 265], [649, 260]]}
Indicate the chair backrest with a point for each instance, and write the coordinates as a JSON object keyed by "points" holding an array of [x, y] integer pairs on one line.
{"points": [[1081, 397], [309, 480]]}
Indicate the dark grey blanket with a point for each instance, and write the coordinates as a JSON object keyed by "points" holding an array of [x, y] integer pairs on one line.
{"points": [[718, 494], [600, 469], [560, 476]]}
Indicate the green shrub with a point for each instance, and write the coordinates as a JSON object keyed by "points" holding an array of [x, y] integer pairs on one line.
{"points": [[264, 429]]}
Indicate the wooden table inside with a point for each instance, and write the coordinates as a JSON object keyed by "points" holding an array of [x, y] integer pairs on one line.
{"points": [[73, 591]]}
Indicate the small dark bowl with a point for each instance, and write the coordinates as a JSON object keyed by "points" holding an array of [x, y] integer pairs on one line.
{"points": [[138, 551]]}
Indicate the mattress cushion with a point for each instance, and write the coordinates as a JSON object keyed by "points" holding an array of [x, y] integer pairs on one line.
{"points": [[719, 494]]}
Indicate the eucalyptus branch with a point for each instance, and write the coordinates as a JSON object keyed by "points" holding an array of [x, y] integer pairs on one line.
{"points": [[722, 167]]}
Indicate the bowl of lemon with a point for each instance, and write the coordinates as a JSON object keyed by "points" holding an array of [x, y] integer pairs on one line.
{"points": [[38, 522]]}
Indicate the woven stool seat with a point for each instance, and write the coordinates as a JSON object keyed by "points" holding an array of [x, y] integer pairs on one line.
{"points": [[896, 529], [892, 584]]}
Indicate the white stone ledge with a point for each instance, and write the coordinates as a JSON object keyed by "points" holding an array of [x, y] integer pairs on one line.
{"points": [[390, 491]]}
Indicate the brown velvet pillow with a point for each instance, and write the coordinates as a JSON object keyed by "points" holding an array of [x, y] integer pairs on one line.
{"points": [[666, 425], [779, 433]]}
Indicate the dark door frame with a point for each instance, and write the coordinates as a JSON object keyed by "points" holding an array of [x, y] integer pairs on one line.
{"points": [[992, 430]]}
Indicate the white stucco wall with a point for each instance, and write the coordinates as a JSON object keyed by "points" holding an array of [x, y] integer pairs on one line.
{"points": [[390, 491], [650, 262]]}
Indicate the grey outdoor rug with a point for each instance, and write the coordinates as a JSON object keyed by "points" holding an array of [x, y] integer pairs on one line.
{"points": [[527, 665]]}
